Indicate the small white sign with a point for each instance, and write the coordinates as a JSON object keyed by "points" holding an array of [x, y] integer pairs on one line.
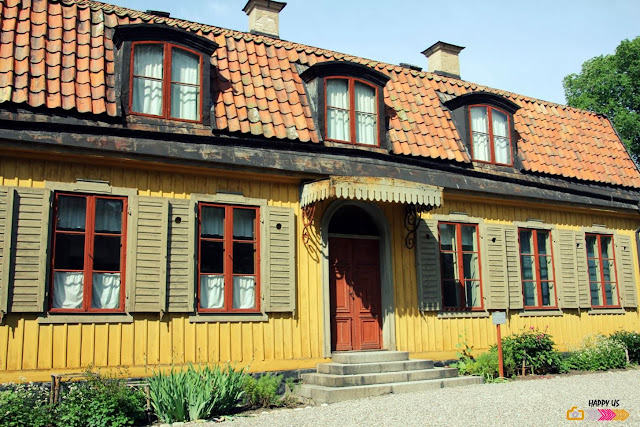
{"points": [[499, 317]]}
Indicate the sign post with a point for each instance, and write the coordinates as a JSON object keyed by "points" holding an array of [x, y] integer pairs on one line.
{"points": [[499, 318]]}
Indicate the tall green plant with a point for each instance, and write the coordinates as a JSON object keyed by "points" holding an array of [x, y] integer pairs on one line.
{"points": [[632, 341]]}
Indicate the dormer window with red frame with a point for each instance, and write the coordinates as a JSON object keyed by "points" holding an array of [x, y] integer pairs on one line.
{"points": [[166, 81], [351, 114], [490, 135]]}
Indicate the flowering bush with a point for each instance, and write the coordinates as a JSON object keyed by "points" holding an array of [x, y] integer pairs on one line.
{"points": [[25, 405], [632, 341], [533, 347], [598, 353]]}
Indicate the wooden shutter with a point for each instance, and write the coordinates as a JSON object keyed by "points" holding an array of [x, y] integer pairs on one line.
{"points": [[6, 242], [626, 274], [148, 254], [181, 250], [584, 295], [428, 265], [280, 275], [514, 276], [567, 269], [30, 249], [496, 287]]}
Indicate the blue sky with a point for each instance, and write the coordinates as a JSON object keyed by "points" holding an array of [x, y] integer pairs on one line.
{"points": [[524, 47]]}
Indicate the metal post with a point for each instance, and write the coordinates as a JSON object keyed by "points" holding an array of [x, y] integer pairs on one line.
{"points": [[500, 360]]}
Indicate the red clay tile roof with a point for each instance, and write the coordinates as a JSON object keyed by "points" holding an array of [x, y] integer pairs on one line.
{"points": [[60, 54]]}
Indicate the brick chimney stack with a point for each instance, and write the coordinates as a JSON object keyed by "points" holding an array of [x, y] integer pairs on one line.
{"points": [[443, 59], [263, 17]]}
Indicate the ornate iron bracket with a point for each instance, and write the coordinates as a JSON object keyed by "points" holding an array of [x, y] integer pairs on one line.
{"points": [[308, 214], [412, 221]]}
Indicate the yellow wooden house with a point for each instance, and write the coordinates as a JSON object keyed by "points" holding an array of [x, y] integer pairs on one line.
{"points": [[175, 192]]}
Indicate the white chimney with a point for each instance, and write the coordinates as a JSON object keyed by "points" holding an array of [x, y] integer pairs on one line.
{"points": [[443, 59], [263, 17]]}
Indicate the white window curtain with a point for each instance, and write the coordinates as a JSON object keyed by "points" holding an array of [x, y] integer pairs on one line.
{"points": [[243, 221], [185, 85], [338, 110], [108, 215], [211, 291], [480, 131], [106, 290], [212, 221], [365, 114], [244, 292], [501, 137], [71, 213], [68, 289], [473, 294], [147, 86]]}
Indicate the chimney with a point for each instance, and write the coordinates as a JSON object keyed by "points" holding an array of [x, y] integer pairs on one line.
{"points": [[263, 17], [443, 59]]}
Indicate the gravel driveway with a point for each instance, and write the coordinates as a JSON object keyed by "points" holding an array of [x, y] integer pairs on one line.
{"points": [[517, 403]]}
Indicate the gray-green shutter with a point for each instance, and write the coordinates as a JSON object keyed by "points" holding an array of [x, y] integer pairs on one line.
{"points": [[496, 288], [626, 274], [514, 276], [566, 264], [6, 241], [181, 247], [428, 265], [148, 254], [280, 277], [28, 276], [584, 295]]}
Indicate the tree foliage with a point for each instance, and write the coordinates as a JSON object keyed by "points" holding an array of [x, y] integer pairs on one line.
{"points": [[610, 84]]}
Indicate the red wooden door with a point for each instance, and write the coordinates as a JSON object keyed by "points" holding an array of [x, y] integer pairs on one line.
{"points": [[356, 321]]}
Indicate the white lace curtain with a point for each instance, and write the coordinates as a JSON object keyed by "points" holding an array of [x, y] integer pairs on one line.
{"points": [[501, 137], [212, 221], [147, 86], [71, 213], [212, 291], [68, 290], [338, 109], [365, 114], [185, 86], [243, 222], [480, 128]]}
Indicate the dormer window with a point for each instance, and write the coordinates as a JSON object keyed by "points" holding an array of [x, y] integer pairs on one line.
{"points": [[351, 111], [166, 81], [490, 141]]}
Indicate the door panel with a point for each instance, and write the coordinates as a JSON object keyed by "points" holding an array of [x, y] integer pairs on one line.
{"points": [[355, 294]]}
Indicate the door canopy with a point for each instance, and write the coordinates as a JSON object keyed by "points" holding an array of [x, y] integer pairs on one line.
{"points": [[371, 189]]}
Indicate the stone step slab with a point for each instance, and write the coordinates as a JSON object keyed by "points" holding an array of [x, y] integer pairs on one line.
{"points": [[369, 356], [334, 368], [330, 380]]}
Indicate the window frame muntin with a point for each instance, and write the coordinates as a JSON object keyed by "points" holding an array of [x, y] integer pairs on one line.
{"points": [[87, 291], [228, 263], [538, 281], [459, 251], [167, 53], [351, 81], [601, 278], [489, 107]]}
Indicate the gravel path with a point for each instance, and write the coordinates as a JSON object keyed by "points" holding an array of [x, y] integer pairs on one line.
{"points": [[517, 403]]}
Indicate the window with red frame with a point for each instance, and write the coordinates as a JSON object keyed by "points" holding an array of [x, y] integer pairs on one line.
{"points": [[460, 266], [166, 82], [228, 262], [490, 140], [536, 258], [602, 271], [88, 253], [351, 111]]}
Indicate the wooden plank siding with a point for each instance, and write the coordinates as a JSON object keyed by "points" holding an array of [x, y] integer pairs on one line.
{"points": [[33, 350]]}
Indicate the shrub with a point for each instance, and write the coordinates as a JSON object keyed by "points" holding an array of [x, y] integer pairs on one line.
{"points": [[632, 341], [536, 349], [25, 405], [598, 353], [262, 392], [195, 394], [100, 401]]}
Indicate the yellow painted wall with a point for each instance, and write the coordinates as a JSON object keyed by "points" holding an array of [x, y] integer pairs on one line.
{"points": [[32, 351]]}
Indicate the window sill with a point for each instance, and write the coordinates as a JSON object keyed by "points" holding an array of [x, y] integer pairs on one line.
{"points": [[596, 311], [58, 318], [228, 317], [353, 146], [462, 314], [540, 312]]}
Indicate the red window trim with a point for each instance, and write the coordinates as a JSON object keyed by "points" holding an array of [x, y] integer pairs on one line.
{"points": [[228, 260], [351, 81], [538, 281], [459, 254], [89, 233], [491, 139], [602, 281], [166, 81]]}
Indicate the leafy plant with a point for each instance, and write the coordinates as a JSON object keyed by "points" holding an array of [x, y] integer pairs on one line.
{"points": [[262, 392], [100, 401], [25, 405], [533, 347], [598, 353], [632, 341]]}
